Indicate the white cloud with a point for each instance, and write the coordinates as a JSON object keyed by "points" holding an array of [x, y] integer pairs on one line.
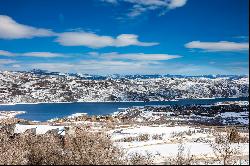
{"points": [[6, 53], [7, 61], [43, 54], [148, 2], [84, 39], [94, 54], [90, 66], [242, 37], [130, 39], [176, 3], [110, 1], [139, 56], [141, 6], [16, 66], [136, 11], [111, 67], [59, 67], [95, 41], [10, 29], [108, 63], [110, 56], [32, 54], [218, 46]]}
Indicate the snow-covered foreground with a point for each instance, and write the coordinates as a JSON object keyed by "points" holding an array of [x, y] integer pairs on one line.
{"points": [[137, 130], [194, 140], [161, 141], [168, 149]]}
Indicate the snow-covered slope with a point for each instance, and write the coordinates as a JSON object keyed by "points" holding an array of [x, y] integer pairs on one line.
{"points": [[29, 87]]}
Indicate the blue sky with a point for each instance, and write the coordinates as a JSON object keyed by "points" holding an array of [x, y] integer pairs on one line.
{"points": [[191, 37]]}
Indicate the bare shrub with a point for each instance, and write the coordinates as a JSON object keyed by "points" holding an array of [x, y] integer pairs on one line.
{"points": [[183, 157], [74, 148], [9, 121], [128, 139], [244, 139], [223, 147], [139, 159], [11, 151], [44, 149], [143, 137], [234, 135], [91, 148], [157, 136]]}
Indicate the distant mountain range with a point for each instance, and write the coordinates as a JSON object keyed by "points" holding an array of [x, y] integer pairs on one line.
{"points": [[135, 76]]}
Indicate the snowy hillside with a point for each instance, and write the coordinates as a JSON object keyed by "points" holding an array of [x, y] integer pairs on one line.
{"points": [[32, 87]]}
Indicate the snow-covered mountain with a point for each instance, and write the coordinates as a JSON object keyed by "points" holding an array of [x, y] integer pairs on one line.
{"points": [[41, 86]]}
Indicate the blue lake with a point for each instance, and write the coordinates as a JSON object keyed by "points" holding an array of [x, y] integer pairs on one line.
{"points": [[46, 111]]}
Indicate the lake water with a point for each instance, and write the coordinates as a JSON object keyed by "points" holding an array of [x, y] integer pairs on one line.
{"points": [[46, 111]]}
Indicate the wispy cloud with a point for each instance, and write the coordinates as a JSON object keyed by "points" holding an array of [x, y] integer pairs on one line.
{"points": [[16, 66], [43, 54], [218, 46], [10, 29], [103, 63], [90, 66], [136, 56], [242, 37], [142, 6], [97, 55], [7, 61], [95, 41], [176, 3], [133, 67], [110, 1], [6, 53], [32, 54]]}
